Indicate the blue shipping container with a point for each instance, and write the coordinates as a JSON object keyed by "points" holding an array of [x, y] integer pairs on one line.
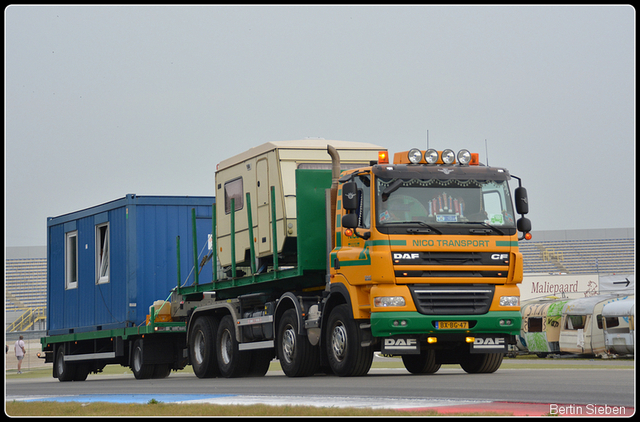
{"points": [[107, 264]]}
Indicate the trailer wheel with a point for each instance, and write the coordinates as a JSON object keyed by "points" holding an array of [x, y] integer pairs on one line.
{"points": [[482, 363], [297, 356], [161, 370], [140, 369], [82, 371], [424, 363], [202, 353], [231, 361], [345, 353], [64, 371]]}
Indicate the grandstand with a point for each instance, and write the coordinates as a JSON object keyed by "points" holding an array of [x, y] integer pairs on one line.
{"points": [[605, 251], [602, 251]]}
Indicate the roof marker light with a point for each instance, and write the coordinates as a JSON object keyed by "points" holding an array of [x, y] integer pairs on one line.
{"points": [[383, 157]]}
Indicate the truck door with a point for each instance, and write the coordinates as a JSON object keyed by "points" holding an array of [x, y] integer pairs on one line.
{"points": [[263, 206]]}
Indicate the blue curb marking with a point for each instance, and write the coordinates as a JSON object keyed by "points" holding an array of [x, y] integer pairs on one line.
{"points": [[131, 398]]}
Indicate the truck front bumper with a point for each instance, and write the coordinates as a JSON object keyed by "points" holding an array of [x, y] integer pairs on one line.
{"points": [[387, 324]]}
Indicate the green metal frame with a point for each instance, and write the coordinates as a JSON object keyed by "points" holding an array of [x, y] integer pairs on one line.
{"points": [[311, 244]]}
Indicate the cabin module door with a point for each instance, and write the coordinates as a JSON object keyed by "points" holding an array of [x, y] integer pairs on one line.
{"points": [[263, 232]]}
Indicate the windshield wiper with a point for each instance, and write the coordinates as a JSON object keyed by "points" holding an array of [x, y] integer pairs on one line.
{"points": [[413, 230], [489, 228]]}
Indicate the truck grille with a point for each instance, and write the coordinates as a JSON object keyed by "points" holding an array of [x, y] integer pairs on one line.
{"points": [[452, 299], [451, 265]]}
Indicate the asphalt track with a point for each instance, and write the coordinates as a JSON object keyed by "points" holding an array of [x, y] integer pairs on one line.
{"points": [[512, 390]]}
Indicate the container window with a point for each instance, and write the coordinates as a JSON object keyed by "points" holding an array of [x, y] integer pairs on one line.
{"points": [[71, 260], [233, 190], [102, 253]]}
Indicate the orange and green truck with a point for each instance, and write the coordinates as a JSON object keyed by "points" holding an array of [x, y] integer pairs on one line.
{"points": [[321, 253]]}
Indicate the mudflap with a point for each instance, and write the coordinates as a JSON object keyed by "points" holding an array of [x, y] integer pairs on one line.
{"points": [[489, 343], [400, 345]]}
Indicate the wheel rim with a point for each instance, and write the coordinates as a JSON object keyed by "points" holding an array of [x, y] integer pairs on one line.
{"points": [[226, 347], [199, 347], [288, 343], [339, 341]]}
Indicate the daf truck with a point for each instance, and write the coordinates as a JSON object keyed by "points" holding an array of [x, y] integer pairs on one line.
{"points": [[320, 253]]}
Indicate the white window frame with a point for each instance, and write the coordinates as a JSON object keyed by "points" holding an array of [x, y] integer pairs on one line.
{"points": [[103, 254], [71, 260]]}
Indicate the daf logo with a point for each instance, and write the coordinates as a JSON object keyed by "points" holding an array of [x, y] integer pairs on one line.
{"points": [[409, 342], [489, 342], [500, 256], [406, 255]]}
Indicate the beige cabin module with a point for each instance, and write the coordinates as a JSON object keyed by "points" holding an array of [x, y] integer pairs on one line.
{"points": [[255, 172]]}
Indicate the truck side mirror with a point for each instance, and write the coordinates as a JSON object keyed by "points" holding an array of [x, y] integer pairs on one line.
{"points": [[524, 225], [522, 202], [349, 196], [350, 221]]}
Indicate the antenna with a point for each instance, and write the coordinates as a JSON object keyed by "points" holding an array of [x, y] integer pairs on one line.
{"points": [[486, 151], [427, 138]]}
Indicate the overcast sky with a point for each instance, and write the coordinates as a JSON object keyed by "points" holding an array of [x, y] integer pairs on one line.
{"points": [[105, 101]]}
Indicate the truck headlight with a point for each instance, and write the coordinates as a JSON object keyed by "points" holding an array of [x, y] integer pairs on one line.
{"points": [[448, 156], [415, 155], [509, 300], [431, 156], [384, 301]]}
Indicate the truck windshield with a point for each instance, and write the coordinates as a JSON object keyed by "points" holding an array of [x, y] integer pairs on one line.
{"points": [[442, 203]]}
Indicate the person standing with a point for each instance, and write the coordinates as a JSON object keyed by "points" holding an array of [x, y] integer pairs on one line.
{"points": [[20, 352]]}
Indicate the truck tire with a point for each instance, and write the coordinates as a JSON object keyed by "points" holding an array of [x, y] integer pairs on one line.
{"points": [[482, 363], [161, 370], [298, 357], [231, 361], [82, 371], [424, 363], [141, 370], [260, 362], [347, 357], [64, 370], [202, 349]]}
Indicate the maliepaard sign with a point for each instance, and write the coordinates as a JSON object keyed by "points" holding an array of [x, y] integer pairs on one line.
{"points": [[569, 286]]}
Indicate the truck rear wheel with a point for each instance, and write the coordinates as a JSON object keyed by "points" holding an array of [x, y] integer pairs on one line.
{"points": [[347, 357], [482, 363], [298, 357], [64, 371], [231, 362], [424, 363], [140, 369], [202, 341]]}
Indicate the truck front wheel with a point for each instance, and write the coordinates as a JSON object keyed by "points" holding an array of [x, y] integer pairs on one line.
{"points": [[202, 353], [231, 362], [424, 363], [347, 357], [298, 358], [482, 363]]}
